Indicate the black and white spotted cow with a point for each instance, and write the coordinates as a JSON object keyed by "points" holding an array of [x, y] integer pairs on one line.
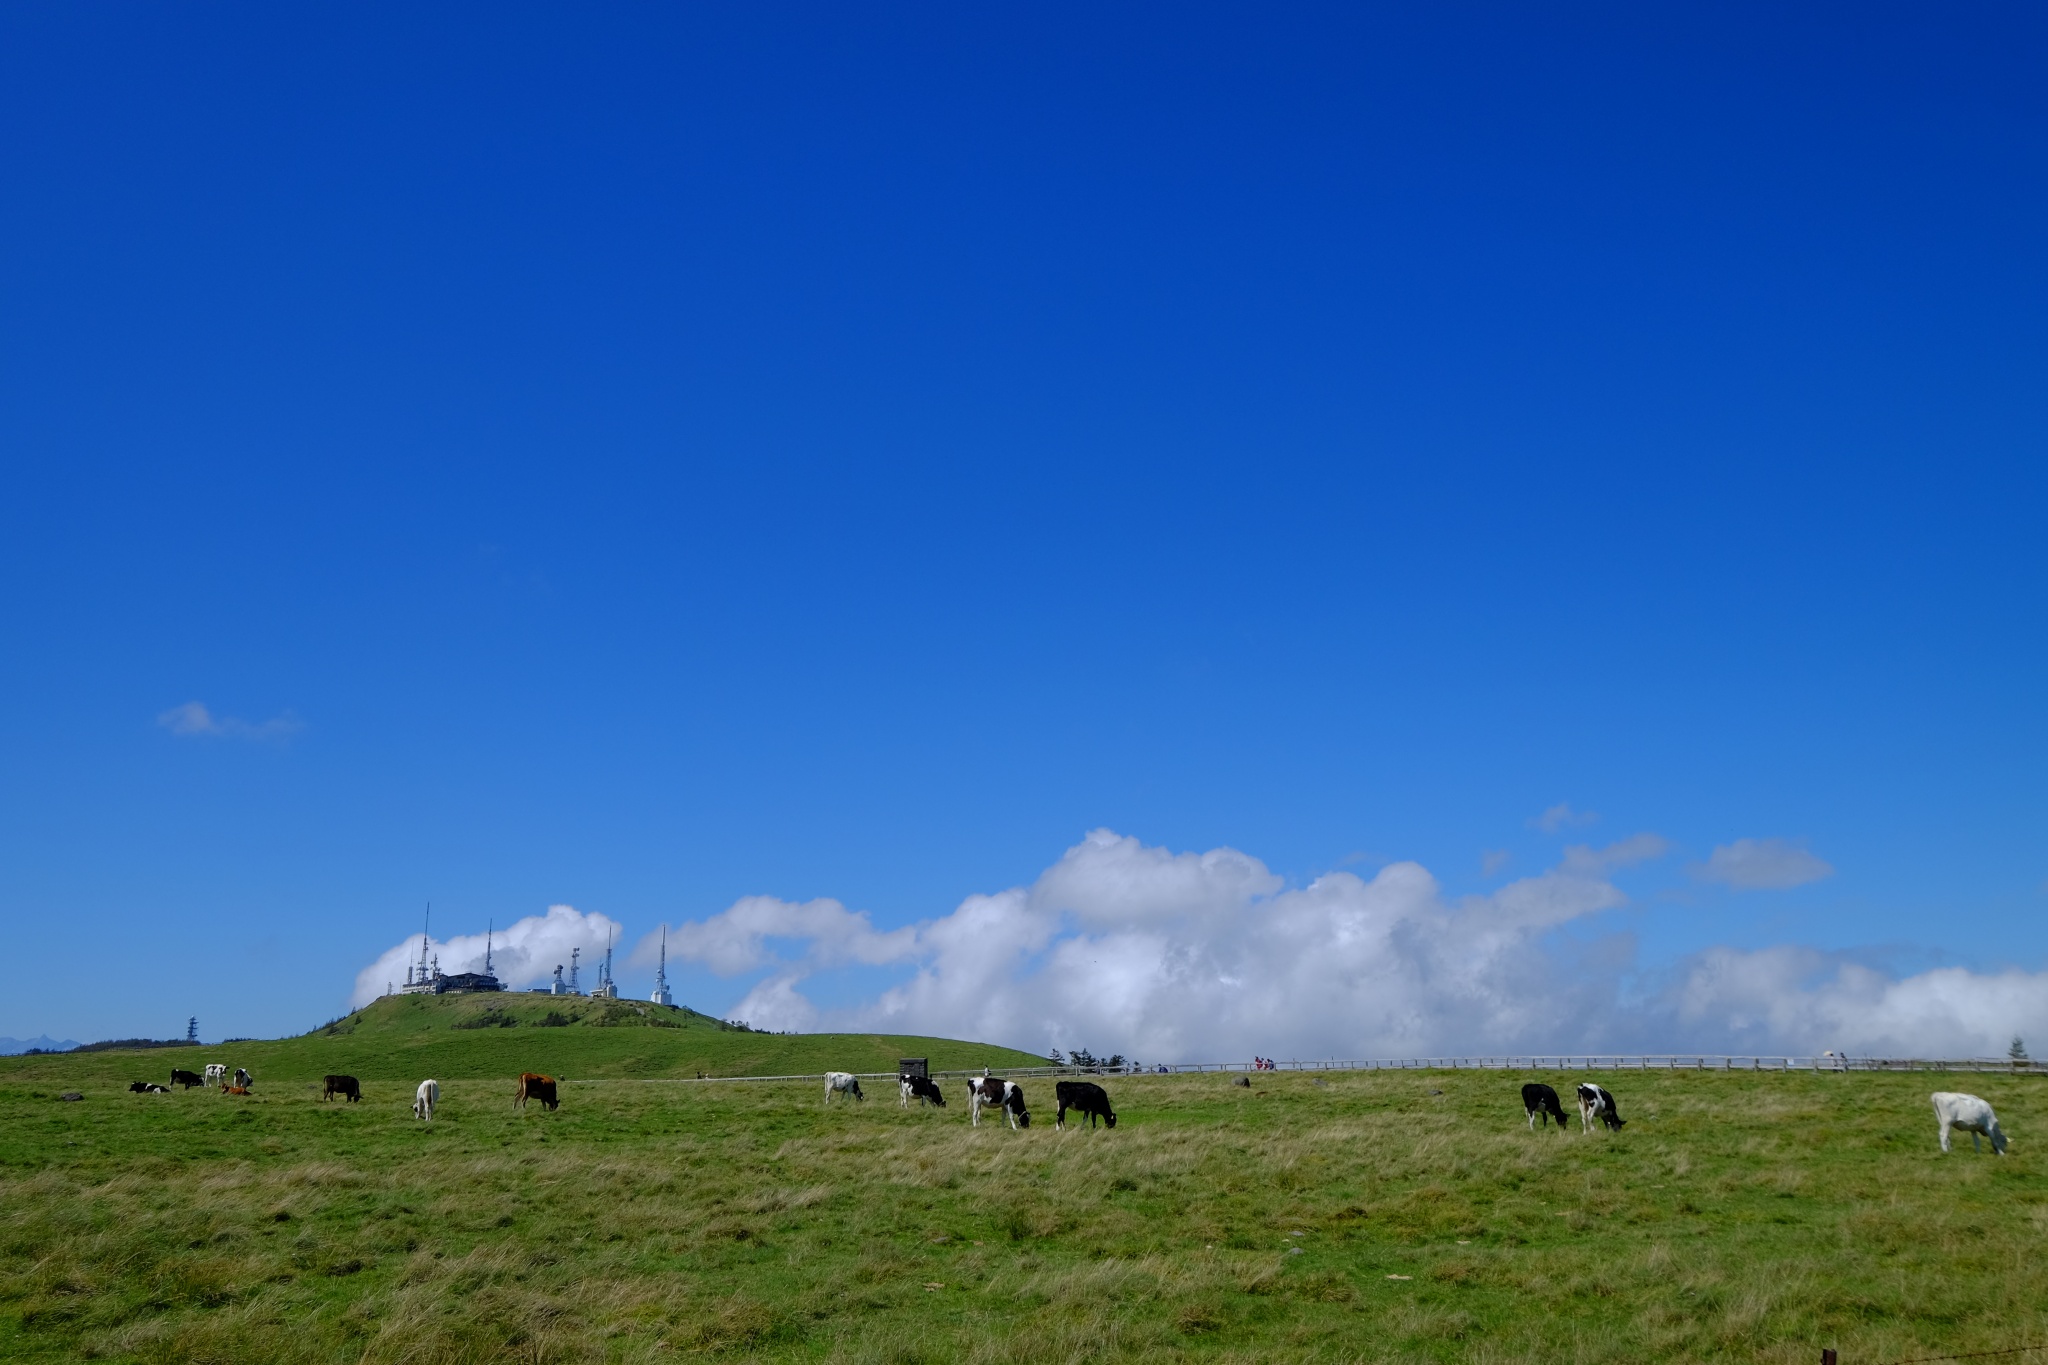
{"points": [[842, 1083], [1541, 1102], [991, 1092], [1596, 1103], [921, 1089]]}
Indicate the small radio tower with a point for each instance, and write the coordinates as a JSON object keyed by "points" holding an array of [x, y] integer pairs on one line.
{"points": [[661, 995], [606, 987], [487, 946], [192, 1029], [574, 953]]}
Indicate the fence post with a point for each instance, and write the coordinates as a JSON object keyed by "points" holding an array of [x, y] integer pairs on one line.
{"points": [[1827, 1355]]}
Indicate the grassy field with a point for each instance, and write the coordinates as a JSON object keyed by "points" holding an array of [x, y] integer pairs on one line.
{"points": [[1388, 1216]]}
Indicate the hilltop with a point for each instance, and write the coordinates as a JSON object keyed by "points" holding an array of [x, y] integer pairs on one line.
{"points": [[406, 1037]]}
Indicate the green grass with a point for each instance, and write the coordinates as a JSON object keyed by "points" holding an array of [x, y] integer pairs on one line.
{"points": [[1739, 1217]]}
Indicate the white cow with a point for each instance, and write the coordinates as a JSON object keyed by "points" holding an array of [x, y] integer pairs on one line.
{"points": [[216, 1073], [424, 1099], [242, 1078], [1970, 1114], [843, 1083]]}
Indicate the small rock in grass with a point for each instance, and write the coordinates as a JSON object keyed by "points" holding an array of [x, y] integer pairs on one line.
{"points": [[70, 1095], [1400, 1277]]}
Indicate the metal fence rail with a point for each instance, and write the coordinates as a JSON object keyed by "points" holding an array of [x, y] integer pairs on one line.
{"points": [[1549, 1061]]}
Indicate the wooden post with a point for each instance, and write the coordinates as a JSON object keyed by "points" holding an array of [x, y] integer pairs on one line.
{"points": [[1827, 1355]]}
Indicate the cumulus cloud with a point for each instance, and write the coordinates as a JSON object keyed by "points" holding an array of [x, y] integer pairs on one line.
{"points": [[194, 721], [1762, 865], [1204, 956], [523, 953], [1562, 816]]}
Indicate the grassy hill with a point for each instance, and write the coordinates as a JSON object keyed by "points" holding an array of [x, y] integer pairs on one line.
{"points": [[1393, 1216], [404, 1038]]}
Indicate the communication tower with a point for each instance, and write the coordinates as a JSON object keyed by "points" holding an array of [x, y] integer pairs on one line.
{"points": [[606, 988], [574, 953], [661, 995]]}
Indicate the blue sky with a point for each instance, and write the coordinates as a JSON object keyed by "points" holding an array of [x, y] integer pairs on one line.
{"points": [[643, 459]]}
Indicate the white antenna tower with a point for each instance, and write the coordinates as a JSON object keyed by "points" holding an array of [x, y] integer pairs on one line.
{"points": [[424, 925], [574, 953], [493, 923], [661, 995]]}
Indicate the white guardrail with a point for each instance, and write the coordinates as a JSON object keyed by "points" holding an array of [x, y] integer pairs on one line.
{"points": [[1682, 1061]]}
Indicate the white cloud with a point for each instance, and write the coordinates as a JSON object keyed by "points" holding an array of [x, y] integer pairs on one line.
{"points": [[1182, 956], [1494, 861], [1762, 865], [1562, 816], [194, 721], [523, 953]]}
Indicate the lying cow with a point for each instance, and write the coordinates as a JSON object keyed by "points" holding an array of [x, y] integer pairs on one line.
{"points": [[1541, 1102], [424, 1099], [188, 1079], [347, 1086], [216, 1073], [1083, 1097], [148, 1088], [842, 1083], [989, 1092], [922, 1090], [1970, 1114], [1596, 1103], [534, 1086]]}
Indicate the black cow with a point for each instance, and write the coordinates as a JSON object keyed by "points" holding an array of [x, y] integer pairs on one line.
{"points": [[1083, 1097], [347, 1086], [188, 1079], [1541, 1102], [533, 1086], [1596, 1103], [922, 1089]]}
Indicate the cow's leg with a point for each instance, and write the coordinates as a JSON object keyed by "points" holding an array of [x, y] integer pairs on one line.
{"points": [[1974, 1146], [1944, 1135]]}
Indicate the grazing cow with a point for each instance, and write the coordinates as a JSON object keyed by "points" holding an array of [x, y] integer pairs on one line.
{"points": [[1596, 1103], [1970, 1114], [347, 1086], [534, 1086], [242, 1077], [188, 1079], [988, 1092], [1083, 1097], [922, 1090], [1541, 1102], [842, 1083], [424, 1099], [216, 1074]]}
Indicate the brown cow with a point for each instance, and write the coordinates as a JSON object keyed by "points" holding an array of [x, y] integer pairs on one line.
{"points": [[347, 1086], [534, 1086]]}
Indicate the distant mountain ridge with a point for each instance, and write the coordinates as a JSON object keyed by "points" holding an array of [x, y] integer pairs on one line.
{"points": [[10, 1047]]}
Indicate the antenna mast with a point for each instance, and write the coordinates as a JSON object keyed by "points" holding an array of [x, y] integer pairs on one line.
{"points": [[487, 945], [661, 995]]}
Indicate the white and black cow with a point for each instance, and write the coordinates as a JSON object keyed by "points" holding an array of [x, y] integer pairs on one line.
{"points": [[1971, 1115], [990, 1092], [1084, 1098], [842, 1083], [921, 1089], [216, 1073], [1595, 1102], [1541, 1102], [424, 1099], [242, 1078]]}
